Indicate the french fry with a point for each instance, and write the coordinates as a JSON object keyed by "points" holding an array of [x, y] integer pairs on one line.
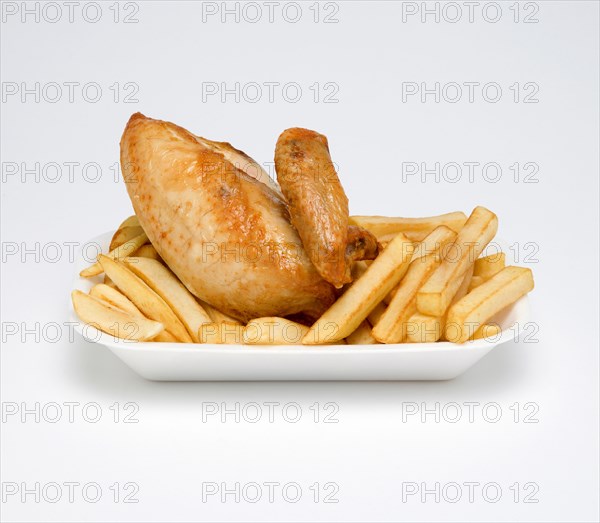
{"points": [[376, 313], [145, 299], [421, 328], [115, 298], [108, 282], [476, 281], [348, 312], [107, 304], [216, 315], [132, 221], [162, 281], [362, 335], [433, 326], [427, 284], [222, 333], [390, 296], [148, 251], [414, 228], [487, 330], [477, 307], [133, 228], [463, 287], [273, 331], [112, 321], [123, 235], [487, 266], [429, 329], [414, 237], [436, 295], [166, 337], [121, 252], [391, 327], [436, 242]]}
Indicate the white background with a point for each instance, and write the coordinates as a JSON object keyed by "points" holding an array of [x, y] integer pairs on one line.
{"points": [[372, 451]]}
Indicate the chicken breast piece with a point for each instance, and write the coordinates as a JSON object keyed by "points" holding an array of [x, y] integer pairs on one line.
{"points": [[318, 205], [225, 234], [241, 161]]}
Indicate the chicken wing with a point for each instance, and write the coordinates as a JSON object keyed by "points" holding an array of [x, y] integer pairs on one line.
{"points": [[224, 233], [318, 205]]}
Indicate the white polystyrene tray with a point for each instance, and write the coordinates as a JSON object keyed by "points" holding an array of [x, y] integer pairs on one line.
{"points": [[209, 362]]}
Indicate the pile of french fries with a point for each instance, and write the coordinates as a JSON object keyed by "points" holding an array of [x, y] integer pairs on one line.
{"points": [[430, 283]]}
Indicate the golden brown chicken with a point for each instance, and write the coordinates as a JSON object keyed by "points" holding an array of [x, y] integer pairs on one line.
{"points": [[318, 205], [223, 230]]}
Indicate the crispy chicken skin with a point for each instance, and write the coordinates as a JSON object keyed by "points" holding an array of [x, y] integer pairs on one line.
{"points": [[318, 205], [362, 245], [241, 161], [224, 233]]}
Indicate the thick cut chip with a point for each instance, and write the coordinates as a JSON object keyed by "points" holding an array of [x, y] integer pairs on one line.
{"points": [[162, 281], [222, 333], [376, 313], [414, 228], [421, 328], [216, 315], [145, 299], [391, 327], [487, 266], [476, 281], [348, 312], [166, 337], [123, 235], [121, 252], [274, 331], [132, 221], [437, 241], [487, 330], [463, 287], [362, 335], [477, 307], [148, 251], [115, 298], [436, 295], [112, 321]]}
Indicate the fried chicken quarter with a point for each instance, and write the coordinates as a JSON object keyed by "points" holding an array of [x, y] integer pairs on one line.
{"points": [[225, 234]]}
